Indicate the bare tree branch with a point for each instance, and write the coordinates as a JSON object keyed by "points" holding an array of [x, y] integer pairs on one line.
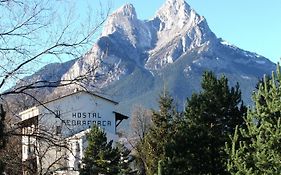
{"points": [[37, 31]]}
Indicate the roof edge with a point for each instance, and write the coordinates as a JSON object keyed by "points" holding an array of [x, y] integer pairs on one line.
{"points": [[77, 92]]}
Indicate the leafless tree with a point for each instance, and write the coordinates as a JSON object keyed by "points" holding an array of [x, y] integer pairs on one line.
{"points": [[140, 124], [47, 153], [34, 33], [11, 156]]}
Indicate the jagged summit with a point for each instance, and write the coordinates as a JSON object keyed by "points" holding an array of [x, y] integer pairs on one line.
{"points": [[179, 30], [176, 5], [176, 1], [124, 22], [126, 10], [122, 19], [173, 48], [174, 8], [177, 13]]}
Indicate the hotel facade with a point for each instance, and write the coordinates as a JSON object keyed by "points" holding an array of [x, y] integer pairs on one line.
{"points": [[54, 133]]}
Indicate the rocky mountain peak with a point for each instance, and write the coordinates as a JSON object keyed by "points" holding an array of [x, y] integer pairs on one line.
{"points": [[178, 4], [174, 10], [178, 15], [123, 18], [124, 23], [127, 10], [179, 29], [135, 58]]}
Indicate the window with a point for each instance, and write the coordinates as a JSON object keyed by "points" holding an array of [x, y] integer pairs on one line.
{"points": [[57, 113], [31, 149], [58, 130], [77, 147]]}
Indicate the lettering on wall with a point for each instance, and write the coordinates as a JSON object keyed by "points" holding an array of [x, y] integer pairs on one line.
{"points": [[86, 115], [87, 119], [87, 122]]}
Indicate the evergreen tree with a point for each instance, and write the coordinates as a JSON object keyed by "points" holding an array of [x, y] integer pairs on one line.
{"points": [[160, 134], [210, 116], [256, 149], [125, 160], [194, 143], [100, 157]]}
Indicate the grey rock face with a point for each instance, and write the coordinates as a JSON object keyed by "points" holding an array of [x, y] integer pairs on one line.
{"points": [[138, 58]]}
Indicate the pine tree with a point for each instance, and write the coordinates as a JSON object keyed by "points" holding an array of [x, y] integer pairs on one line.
{"points": [[210, 116], [125, 160], [256, 149], [194, 143], [100, 157], [160, 134]]}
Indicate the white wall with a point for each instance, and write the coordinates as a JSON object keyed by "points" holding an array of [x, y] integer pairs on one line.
{"points": [[77, 112]]}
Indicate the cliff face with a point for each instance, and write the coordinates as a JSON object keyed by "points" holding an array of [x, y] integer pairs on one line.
{"points": [[135, 59]]}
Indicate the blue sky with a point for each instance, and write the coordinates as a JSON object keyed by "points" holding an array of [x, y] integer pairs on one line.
{"points": [[249, 24]]}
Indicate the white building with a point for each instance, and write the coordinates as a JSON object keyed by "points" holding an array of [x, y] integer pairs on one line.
{"points": [[55, 132]]}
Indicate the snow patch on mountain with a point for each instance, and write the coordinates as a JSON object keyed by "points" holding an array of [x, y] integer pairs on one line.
{"points": [[227, 43], [246, 77]]}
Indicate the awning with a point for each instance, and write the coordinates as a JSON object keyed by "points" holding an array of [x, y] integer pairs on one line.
{"points": [[119, 117], [28, 122]]}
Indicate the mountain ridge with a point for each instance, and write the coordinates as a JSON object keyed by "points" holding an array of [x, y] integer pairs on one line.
{"points": [[139, 57]]}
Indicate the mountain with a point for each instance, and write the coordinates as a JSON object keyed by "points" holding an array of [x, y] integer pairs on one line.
{"points": [[136, 59]]}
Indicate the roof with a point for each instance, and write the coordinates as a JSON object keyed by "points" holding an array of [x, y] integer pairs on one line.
{"points": [[78, 135], [28, 110], [81, 91], [120, 116], [28, 122], [67, 95]]}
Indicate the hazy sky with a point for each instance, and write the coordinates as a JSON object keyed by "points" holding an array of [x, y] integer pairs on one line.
{"points": [[253, 25]]}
